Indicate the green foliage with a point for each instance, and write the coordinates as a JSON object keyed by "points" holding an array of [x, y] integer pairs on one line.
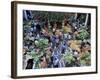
{"points": [[41, 43], [68, 57], [35, 55], [85, 59], [83, 34]]}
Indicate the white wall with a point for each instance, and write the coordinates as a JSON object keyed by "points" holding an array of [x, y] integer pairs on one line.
{"points": [[5, 40]]}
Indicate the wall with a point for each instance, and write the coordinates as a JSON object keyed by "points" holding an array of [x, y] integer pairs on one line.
{"points": [[5, 40]]}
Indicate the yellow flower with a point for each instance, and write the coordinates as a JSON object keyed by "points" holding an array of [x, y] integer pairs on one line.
{"points": [[67, 29]]}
